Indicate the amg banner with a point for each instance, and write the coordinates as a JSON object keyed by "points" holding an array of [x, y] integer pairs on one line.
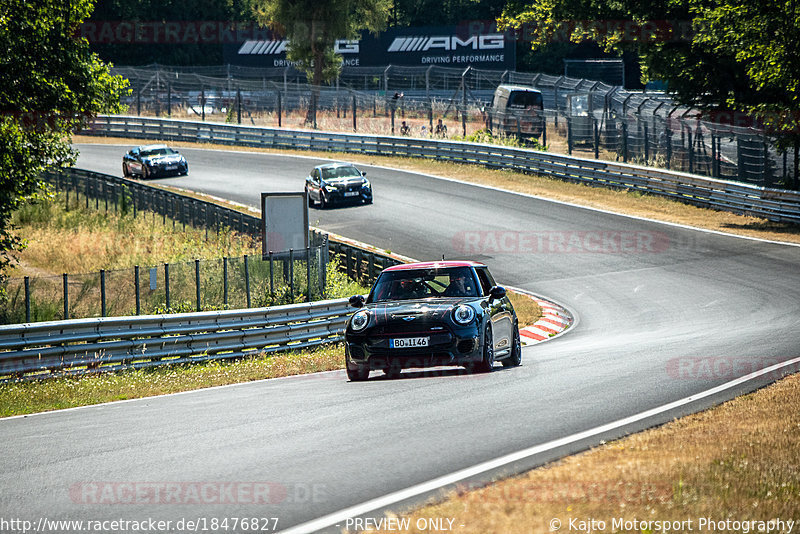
{"points": [[451, 46]]}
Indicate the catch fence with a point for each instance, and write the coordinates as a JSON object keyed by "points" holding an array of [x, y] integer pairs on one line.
{"points": [[582, 116]]}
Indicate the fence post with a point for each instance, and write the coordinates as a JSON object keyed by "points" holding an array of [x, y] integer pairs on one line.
{"points": [[238, 107], [544, 129], [169, 100], [569, 136], [66, 296], [225, 281], [668, 136], [197, 281], [691, 152], [247, 279], [202, 103], [308, 274], [291, 275], [596, 139], [646, 145], [136, 288], [139, 102], [102, 292], [624, 141], [271, 277], [27, 299], [166, 285], [392, 115], [355, 128], [280, 110]]}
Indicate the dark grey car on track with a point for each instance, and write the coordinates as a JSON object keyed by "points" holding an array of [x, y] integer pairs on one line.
{"points": [[337, 183]]}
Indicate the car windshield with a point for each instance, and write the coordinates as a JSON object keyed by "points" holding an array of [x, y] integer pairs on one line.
{"points": [[340, 172], [424, 283], [163, 151], [525, 99]]}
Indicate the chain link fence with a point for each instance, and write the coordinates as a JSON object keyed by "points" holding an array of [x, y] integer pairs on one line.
{"points": [[199, 285], [585, 117]]}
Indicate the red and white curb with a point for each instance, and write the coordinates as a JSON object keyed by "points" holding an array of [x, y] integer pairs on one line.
{"points": [[555, 320]]}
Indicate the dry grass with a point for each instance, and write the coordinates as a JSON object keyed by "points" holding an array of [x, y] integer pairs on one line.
{"points": [[89, 240], [60, 393], [738, 461], [630, 203], [528, 312]]}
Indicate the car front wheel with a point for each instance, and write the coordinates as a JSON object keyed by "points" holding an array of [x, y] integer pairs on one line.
{"points": [[145, 172], [487, 362], [515, 358], [125, 172]]}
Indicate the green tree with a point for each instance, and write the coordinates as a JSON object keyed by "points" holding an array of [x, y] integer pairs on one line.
{"points": [[715, 55], [313, 27], [51, 86]]}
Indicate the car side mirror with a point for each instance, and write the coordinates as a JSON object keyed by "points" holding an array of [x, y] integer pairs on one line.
{"points": [[363, 173], [357, 301], [497, 292]]}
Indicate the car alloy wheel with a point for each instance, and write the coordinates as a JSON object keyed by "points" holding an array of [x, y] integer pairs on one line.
{"points": [[515, 358], [145, 172], [125, 172], [486, 364], [322, 201]]}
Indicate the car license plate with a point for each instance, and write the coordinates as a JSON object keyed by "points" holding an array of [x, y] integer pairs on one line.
{"points": [[351, 193], [171, 167], [409, 342]]}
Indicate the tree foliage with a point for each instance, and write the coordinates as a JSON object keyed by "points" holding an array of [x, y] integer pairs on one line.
{"points": [[727, 55], [51, 85], [313, 26]]}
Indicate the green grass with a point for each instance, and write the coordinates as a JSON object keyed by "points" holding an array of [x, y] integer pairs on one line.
{"points": [[59, 393]]}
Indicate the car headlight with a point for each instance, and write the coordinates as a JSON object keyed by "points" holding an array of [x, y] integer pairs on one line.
{"points": [[359, 321], [463, 314]]}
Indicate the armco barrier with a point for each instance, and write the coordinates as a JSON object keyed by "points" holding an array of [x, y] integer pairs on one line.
{"points": [[772, 204], [111, 343]]}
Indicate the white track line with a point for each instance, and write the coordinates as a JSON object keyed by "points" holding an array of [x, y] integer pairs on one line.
{"points": [[436, 483]]}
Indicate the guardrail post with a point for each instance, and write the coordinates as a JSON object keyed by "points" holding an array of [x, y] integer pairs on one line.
{"points": [[27, 299], [291, 275], [247, 279], [308, 274], [136, 289], [225, 281], [166, 286], [197, 281], [102, 292], [66, 296]]}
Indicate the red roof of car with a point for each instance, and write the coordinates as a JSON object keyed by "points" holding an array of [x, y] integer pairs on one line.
{"points": [[434, 265]]}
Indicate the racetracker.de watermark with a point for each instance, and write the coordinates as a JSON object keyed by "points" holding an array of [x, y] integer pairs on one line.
{"points": [[202, 492], [560, 242]]}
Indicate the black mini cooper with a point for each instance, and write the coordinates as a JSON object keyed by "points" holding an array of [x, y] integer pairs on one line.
{"points": [[432, 314]]}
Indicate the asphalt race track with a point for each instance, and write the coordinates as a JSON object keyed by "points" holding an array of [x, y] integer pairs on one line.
{"points": [[664, 313]]}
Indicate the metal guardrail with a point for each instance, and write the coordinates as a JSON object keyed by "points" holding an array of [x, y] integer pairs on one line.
{"points": [[82, 346], [772, 204]]}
